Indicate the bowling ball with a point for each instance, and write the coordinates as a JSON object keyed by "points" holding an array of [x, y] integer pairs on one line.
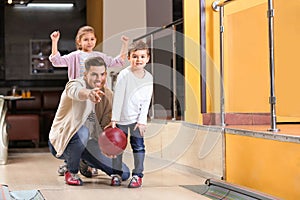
{"points": [[112, 141]]}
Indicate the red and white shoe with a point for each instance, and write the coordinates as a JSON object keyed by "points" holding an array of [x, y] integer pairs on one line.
{"points": [[62, 169], [135, 182], [72, 179], [115, 180]]}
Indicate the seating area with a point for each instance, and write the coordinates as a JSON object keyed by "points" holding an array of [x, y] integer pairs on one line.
{"points": [[32, 118]]}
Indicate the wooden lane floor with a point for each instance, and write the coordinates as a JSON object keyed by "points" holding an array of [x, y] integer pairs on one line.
{"points": [[37, 171]]}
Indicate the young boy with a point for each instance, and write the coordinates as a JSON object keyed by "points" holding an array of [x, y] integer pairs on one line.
{"points": [[132, 96]]}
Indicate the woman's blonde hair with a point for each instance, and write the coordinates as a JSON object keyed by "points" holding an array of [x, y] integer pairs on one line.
{"points": [[83, 30]]}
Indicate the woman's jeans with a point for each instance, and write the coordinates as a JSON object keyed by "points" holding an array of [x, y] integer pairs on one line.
{"points": [[81, 147], [138, 148]]}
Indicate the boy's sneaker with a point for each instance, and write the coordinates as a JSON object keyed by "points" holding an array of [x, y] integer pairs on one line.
{"points": [[72, 179], [84, 169], [115, 180], [62, 169], [135, 182]]}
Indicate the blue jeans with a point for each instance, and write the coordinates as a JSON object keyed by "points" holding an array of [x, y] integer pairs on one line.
{"points": [[81, 147], [138, 148]]}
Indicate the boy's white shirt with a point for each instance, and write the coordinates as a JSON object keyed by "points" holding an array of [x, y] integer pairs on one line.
{"points": [[132, 97]]}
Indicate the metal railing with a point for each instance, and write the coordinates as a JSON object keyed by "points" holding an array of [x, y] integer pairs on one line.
{"points": [[174, 82], [218, 6]]}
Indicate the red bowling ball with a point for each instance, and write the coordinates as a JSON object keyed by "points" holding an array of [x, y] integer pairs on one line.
{"points": [[112, 141]]}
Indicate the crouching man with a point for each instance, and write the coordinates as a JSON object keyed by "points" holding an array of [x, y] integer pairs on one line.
{"points": [[75, 123]]}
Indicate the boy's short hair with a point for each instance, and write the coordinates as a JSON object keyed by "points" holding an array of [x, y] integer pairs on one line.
{"points": [[138, 45], [94, 61]]}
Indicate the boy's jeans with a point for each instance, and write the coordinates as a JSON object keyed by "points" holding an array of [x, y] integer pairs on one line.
{"points": [[138, 148]]}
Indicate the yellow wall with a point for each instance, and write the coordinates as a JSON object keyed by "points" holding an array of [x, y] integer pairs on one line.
{"points": [[239, 87], [287, 42], [265, 165], [246, 60], [272, 167], [192, 60], [245, 52], [246, 67], [94, 10]]}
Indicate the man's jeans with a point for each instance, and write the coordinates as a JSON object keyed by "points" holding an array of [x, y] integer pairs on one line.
{"points": [[81, 147], [138, 148]]}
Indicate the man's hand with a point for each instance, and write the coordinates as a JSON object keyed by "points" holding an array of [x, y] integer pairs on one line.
{"points": [[110, 156], [95, 95], [108, 125]]}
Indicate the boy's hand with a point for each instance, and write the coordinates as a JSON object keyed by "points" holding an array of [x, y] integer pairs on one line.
{"points": [[113, 124], [141, 127]]}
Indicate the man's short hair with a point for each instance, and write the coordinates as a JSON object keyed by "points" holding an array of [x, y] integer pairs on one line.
{"points": [[94, 61]]}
